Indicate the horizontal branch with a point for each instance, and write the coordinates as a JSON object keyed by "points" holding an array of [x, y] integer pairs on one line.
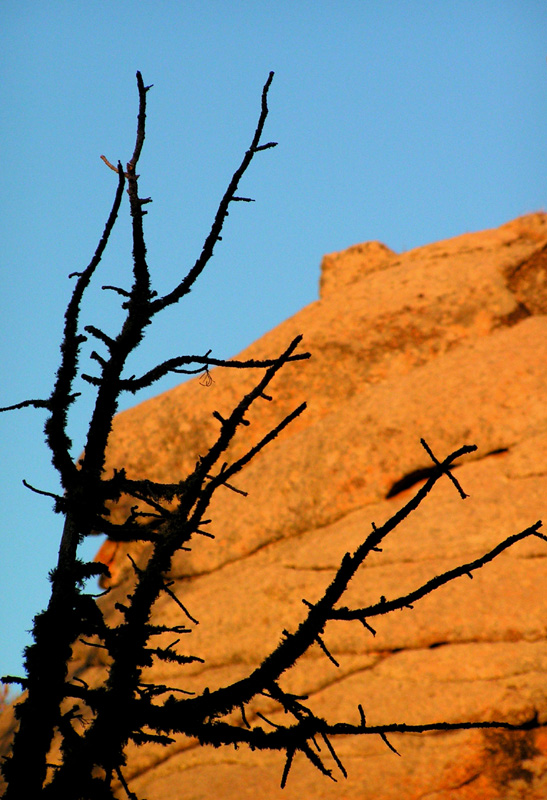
{"points": [[174, 364], [291, 738], [165, 654], [57, 497], [278, 739], [117, 289], [129, 531], [29, 403]]}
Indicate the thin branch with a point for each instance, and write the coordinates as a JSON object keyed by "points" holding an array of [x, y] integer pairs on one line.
{"points": [[118, 290], [131, 795], [141, 120], [435, 583], [29, 403], [62, 396], [326, 651], [155, 689], [22, 682], [112, 167], [165, 654], [316, 761], [384, 738], [334, 755], [288, 763], [56, 497], [447, 472], [173, 596], [270, 436], [215, 234], [295, 737], [173, 365], [119, 484], [101, 335]]}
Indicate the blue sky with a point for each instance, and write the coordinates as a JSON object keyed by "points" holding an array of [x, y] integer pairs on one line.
{"points": [[406, 122]]}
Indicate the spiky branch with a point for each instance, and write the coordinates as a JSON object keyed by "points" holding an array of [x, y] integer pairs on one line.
{"points": [[86, 491], [167, 517]]}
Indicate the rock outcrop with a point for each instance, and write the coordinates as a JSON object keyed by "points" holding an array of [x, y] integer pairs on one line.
{"points": [[447, 342]]}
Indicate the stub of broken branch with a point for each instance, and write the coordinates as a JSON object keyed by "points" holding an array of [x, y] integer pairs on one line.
{"points": [[115, 169]]}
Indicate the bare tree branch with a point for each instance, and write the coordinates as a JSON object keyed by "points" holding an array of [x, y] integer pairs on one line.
{"points": [[165, 518], [215, 234], [407, 600]]}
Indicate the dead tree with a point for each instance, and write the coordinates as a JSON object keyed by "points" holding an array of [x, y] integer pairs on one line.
{"points": [[124, 708]]}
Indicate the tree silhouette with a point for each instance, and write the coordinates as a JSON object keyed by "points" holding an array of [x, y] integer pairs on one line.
{"points": [[92, 754]]}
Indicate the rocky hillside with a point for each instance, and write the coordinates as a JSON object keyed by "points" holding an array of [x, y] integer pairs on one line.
{"points": [[447, 342]]}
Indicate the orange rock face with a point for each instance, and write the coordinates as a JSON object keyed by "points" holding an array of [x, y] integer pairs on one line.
{"points": [[447, 342]]}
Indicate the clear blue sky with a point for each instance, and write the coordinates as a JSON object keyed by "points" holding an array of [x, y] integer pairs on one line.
{"points": [[406, 122]]}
